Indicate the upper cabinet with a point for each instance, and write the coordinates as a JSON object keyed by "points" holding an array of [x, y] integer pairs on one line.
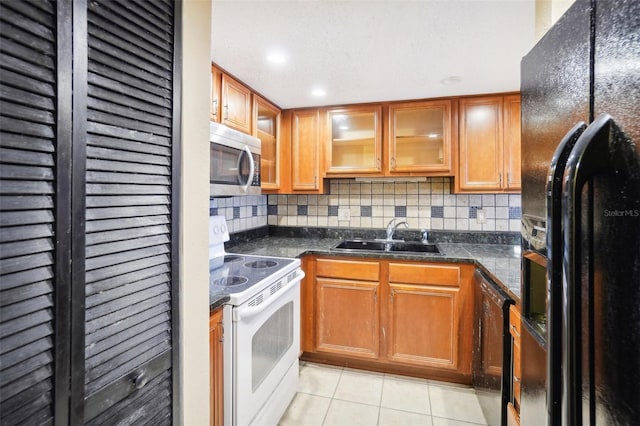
{"points": [[306, 155], [489, 144], [266, 127], [216, 82], [420, 137], [354, 141], [230, 101], [236, 105], [475, 139], [512, 158]]}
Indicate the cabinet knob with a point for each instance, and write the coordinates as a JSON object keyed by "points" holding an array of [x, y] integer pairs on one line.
{"points": [[140, 381]]}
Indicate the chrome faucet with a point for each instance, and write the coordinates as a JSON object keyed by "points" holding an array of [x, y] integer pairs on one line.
{"points": [[391, 228]]}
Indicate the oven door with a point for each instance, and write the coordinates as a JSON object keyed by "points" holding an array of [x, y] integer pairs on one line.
{"points": [[266, 345]]}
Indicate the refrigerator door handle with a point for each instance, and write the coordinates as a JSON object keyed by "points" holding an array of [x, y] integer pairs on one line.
{"points": [[594, 153], [554, 270]]}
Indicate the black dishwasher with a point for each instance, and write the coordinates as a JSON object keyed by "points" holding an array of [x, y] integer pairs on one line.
{"points": [[492, 349]]}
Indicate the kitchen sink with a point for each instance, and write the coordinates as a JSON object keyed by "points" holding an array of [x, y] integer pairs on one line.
{"points": [[383, 246], [415, 247]]}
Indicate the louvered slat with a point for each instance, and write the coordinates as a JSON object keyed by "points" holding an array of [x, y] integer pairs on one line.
{"points": [[147, 405], [27, 149], [128, 203]]}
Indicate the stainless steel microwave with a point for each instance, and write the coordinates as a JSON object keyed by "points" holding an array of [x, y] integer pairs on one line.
{"points": [[235, 162]]}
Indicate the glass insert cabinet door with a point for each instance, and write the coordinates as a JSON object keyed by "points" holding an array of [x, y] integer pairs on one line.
{"points": [[420, 137], [267, 129], [355, 140]]}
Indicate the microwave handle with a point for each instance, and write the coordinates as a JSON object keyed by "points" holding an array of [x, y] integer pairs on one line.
{"points": [[252, 169]]}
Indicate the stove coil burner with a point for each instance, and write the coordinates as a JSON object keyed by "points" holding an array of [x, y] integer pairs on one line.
{"points": [[259, 264], [230, 281], [232, 258]]}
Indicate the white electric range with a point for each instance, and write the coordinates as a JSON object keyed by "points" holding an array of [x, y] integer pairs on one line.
{"points": [[262, 329]]}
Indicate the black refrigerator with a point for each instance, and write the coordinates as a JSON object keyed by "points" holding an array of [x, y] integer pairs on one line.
{"points": [[580, 89]]}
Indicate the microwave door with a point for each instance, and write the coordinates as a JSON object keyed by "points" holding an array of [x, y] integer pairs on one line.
{"points": [[225, 163]]}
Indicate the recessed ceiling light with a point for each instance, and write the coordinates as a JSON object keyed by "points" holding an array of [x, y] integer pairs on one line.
{"points": [[451, 80], [319, 92], [276, 58]]}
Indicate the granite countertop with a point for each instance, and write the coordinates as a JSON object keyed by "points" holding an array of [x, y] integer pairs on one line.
{"points": [[216, 300], [499, 262]]}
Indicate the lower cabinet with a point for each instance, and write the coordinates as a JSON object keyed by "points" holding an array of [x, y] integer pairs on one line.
{"points": [[216, 341], [348, 309], [425, 310], [515, 329], [401, 316]]}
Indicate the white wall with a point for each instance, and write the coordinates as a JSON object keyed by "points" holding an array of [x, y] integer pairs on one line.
{"points": [[548, 12], [194, 214]]}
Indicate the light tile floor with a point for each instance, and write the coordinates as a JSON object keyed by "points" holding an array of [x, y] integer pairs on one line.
{"points": [[329, 396]]}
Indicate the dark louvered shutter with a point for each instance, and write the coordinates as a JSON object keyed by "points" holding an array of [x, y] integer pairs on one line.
{"points": [[28, 152], [128, 209], [89, 154]]}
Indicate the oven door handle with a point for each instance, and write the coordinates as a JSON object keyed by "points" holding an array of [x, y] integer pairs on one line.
{"points": [[243, 314]]}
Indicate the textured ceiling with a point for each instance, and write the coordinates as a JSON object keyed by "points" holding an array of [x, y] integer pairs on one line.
{"points": [[366, 51]]}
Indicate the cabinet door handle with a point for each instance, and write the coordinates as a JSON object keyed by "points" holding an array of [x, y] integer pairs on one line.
{"points": [[500, 178], [214, 107], [393, 163], [226, 112], [221, 339], [378, 162], [516, 379]]}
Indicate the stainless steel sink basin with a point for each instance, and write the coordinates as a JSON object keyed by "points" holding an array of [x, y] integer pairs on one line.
{"points": [[360, 245], [382, 246], [415, 247]]}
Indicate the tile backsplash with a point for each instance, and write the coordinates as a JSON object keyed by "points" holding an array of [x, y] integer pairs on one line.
{"points": [[351, 204], [242, 213]]}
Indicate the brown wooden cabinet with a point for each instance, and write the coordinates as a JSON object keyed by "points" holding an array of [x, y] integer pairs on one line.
{"points": [[409, 317], [512, 138], [216, 93], [266, 127], [426, 315], [354, 141], [421, 136], [306, 153], [216, 380], [348, 308], [235, 104], [515, 329], [489, 141], [230, 101]]}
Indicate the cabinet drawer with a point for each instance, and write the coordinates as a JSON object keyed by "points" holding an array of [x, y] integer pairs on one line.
{"points": [[424, 274], [348, 269], [517, 373], [514, 322]]}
